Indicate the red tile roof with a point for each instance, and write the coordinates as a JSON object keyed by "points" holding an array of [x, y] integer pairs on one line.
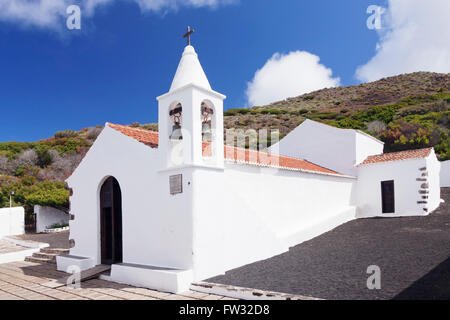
{"points": [[148, 137], [396, 156], [247, 156], [267, 159]]}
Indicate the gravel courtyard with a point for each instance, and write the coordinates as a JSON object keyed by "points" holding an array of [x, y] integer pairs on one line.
{"points": [[413, 254]]}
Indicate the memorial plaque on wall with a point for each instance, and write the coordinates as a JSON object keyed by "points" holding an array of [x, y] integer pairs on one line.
{"points": [[176, 184]]}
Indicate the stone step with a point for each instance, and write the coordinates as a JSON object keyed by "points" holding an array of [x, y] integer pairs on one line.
{"points": [[56, 251], [39, 260], [43, 255]]}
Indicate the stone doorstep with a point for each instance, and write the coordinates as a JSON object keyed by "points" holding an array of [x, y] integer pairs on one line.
{"points": [[40, 260], [244, 293], [44, 255]]}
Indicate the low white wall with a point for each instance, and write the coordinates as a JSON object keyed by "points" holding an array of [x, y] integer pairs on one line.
{"points": [[248, 213], [47, 216], [445, 174], [17, 255], [12, 221]]}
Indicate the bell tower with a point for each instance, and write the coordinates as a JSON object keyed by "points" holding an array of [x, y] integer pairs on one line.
{"points": [[190, 117]]}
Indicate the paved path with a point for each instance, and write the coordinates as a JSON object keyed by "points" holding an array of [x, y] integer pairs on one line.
{"points": [[24, 281], [58, 240], [8, 247], [412, 252]]}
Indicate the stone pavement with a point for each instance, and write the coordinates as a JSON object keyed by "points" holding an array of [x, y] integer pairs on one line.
{"points": [[8, 247], [24, 281]]}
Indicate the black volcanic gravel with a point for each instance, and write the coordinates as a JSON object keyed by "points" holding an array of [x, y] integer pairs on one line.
{"points": [[413, 254]]}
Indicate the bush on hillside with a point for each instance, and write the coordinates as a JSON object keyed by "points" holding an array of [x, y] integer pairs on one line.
{"points": [[66, 134], [29, 193]]}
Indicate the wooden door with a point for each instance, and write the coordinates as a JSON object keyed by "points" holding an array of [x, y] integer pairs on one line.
{"points": [[111, 222], [388, 196]]}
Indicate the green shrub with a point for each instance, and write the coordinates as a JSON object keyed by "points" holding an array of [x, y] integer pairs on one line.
{"points": [[58, 225], [324, 115], [65, 134], [28, 180], [230, 112], [44, 157], [29, 193], [12, 149]]}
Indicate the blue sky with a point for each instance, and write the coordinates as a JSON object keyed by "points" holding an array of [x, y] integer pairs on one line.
{"points": [[52, 78]]}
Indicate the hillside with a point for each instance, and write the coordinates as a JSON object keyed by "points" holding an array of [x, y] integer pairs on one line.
{"points": [[406, 112]]}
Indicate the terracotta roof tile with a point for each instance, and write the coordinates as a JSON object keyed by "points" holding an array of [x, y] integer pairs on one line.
{"points": [[397, 156], [267, 159], [247, 156], [148, 137]]}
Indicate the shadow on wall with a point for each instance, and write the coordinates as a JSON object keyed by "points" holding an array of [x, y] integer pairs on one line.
{"points": [[432, 286]]}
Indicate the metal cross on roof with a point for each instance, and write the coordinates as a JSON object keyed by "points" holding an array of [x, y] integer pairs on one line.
{"points": [[188, 35]]}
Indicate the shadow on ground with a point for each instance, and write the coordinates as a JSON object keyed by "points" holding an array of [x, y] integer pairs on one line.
{"points": [[435, 285]]}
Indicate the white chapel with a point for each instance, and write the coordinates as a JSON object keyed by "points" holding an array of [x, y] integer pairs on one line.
{"points": [[176, 206]]}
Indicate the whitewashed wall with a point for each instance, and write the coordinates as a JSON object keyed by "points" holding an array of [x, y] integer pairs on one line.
{"points": [[365, 146], [333, 148], [157, 227], [405, 174], [12, 221], [241, 215], [433, 171], [445, 174], [47, 216], [249, 213]]}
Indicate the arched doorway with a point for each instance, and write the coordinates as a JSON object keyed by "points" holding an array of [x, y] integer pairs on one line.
{"points": [[111, 221]]}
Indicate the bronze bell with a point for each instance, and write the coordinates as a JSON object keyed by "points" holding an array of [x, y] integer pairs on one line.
{"points": [[176, 132], [206, 131]]}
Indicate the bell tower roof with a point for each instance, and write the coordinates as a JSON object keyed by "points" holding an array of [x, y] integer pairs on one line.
{"points": [[189, 71]]}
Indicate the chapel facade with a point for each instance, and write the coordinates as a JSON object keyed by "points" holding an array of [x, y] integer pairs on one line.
{"points": [[168, 208]]}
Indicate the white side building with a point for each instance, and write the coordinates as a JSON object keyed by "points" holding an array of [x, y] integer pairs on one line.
{"points": [[334, 148], [397, 184]]}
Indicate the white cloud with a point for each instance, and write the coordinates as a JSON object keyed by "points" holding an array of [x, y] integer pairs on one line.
{"points": [[290, 75], [50, 14], [43, 13], [157, 5], [415, 37]]}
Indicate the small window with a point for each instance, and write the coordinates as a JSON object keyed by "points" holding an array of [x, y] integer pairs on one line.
{"points": [[387, 196]]}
